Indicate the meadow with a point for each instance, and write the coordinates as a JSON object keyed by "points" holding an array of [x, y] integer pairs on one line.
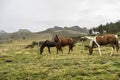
{"points": [[17, 63]]}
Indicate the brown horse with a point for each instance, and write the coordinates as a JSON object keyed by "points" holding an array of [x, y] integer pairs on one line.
{"points": [[61, 42], [104, 40]]}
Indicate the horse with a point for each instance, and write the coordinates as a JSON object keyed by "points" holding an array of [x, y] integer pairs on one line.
{"points": [[47, 44], [61, 42], [104, 40]]}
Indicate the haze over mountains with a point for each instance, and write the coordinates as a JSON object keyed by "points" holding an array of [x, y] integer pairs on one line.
{"points": [[63, 32]]}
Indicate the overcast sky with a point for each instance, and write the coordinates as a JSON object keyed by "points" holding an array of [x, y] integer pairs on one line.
{"points": [[38, 15]]}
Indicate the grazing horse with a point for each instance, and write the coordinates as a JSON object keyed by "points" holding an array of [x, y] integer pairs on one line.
{"points": [[104, 40], [47, 44], [61, 42]]}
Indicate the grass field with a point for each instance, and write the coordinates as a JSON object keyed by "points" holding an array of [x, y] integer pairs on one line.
{"points": [[27, 64]]}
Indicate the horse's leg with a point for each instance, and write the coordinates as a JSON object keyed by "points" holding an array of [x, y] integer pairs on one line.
{"points": [[49, 49], [72, 48], [61, 50], [117, 46], [113, 47], [57, 49], [99, 50], [69, 49]]}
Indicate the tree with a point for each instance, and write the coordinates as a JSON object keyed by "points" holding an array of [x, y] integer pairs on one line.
{"points": [[90, 31], [109, 28], [100, 29]]}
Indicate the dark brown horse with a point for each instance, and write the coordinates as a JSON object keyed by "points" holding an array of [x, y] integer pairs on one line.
{"points": [[47, 44], [61, 42], [104, 40]]}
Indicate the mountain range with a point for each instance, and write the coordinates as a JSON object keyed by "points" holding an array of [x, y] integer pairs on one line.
{"points": [[63, 32]]}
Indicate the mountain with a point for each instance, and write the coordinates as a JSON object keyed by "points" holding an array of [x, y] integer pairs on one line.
{"points": [[57, 28], [21, 33], [2, 32], [67, 31], [3, 35], [46, 34], [78, 29], [75, 28]]}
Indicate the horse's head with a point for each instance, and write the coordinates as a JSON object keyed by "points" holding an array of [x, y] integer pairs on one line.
{"points": [[41, 51], [43, 46], [56, 39], [90, 50]]}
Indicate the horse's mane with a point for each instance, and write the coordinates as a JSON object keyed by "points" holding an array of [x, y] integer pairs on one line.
{"points": [[43, 44], [57, 37], [45, 41]]}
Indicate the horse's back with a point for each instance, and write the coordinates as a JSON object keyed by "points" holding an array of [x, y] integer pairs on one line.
{"points": [[106, 39], [50, 43], [111, 37], [67, 39]]}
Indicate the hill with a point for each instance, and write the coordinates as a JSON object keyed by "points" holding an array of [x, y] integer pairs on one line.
{"points": [[67, 31], [20, 33], [46, 34], [3, 35]]}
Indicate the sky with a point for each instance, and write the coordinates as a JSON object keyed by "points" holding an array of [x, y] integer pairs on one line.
{"points": [[38, 15]]}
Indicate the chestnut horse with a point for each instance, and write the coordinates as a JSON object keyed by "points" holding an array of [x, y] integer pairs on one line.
{"points": [[104, 40], [61, 42], [47, 44]]}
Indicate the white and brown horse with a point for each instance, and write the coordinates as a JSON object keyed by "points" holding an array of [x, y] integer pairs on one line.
{"points": [[104, 40]]}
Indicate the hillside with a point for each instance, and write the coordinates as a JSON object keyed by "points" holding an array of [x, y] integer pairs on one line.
{"points": [[21, 33], [46, 34], [3, 35], [67, 31]]}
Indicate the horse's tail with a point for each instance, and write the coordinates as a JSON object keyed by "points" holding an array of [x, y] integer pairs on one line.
{"points": [[117, 43]]}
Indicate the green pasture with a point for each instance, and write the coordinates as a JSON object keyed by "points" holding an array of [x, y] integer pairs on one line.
{"points": [[17, 63]]}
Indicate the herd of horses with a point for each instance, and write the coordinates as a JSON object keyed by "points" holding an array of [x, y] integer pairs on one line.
{"points": [[58, 43], [96, 41]]}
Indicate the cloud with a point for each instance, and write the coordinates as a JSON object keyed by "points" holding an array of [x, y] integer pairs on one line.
{"points": [[37, 15]]}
